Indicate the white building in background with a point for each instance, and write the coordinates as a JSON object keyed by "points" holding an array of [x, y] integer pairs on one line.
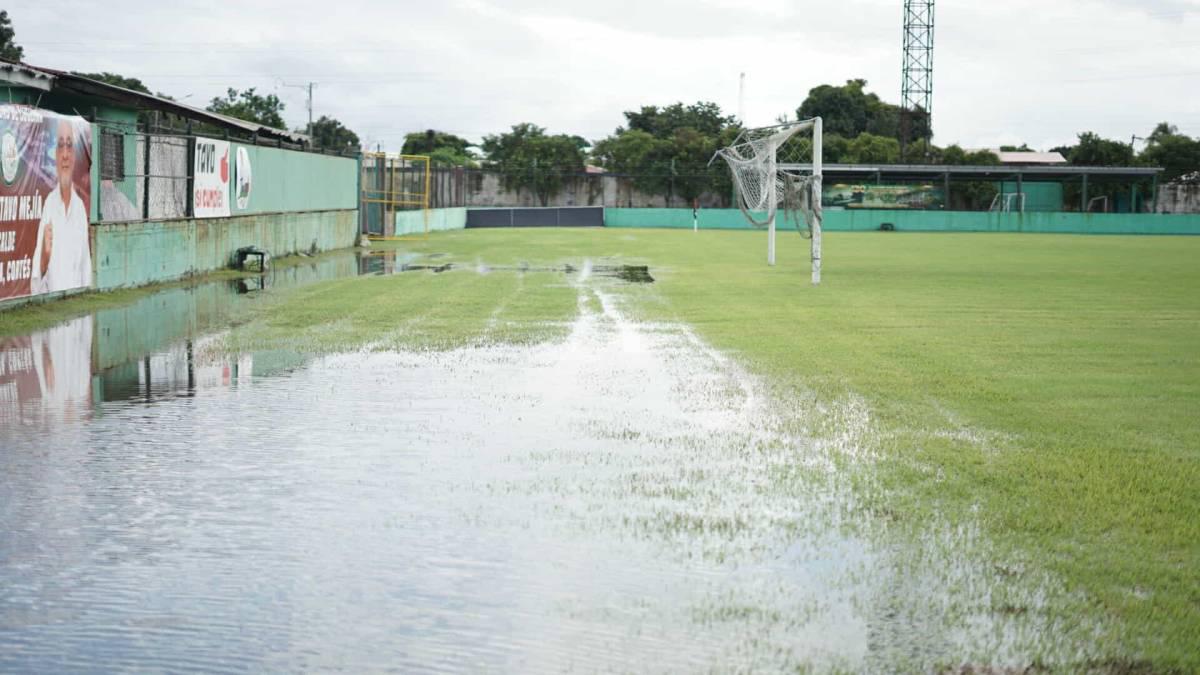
{"points": [[1029, 158], [1181, 195]]}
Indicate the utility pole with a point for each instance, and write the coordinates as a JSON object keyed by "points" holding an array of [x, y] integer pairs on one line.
{"points": [[309, 89], [742, 99]]}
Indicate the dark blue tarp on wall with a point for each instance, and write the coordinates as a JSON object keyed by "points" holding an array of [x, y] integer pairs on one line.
{"points": [[567, 216]]}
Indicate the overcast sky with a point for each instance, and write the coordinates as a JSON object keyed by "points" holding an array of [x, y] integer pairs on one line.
{"points": [[1037, 71]]}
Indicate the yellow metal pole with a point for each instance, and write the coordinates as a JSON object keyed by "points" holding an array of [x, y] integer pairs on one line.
{"points": [[428, 172]]}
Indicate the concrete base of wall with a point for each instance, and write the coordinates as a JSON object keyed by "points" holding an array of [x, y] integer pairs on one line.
{"points": [[413, 222], [139, 253]]}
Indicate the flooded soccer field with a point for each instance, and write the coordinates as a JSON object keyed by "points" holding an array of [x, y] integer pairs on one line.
{"points": [[551, 472]]}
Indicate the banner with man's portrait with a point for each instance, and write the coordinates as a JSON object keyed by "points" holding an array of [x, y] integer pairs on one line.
{"points": [[45, 202]]}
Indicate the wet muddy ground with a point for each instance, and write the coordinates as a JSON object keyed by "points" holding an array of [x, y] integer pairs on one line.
{"points": [[624, 499]]}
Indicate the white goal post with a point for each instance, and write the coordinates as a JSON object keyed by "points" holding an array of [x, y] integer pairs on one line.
{"points": [[774, 169]]}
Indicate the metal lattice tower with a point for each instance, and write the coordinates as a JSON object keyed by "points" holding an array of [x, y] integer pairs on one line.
{"points": [[916, 88]]}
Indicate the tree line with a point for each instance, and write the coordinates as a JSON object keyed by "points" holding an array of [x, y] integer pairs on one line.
{"points": [[665, 150]]}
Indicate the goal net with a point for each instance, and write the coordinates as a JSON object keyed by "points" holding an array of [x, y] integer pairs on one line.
{"points": [[778, 169]]}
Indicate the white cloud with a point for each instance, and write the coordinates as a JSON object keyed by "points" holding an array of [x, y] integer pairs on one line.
{"points": [[1025, 70]]}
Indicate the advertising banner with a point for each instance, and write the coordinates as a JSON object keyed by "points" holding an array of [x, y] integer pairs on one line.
{"points": [[210, 198], [863, 196], [45, 202], [245, 179]]}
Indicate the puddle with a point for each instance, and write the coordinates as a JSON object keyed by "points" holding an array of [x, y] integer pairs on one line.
{"points": [[391, 262], [634, 274], [622, 500]]}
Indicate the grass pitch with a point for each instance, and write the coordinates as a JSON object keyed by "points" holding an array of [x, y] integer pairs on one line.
{"points": [[1067, 369], [1045, 386]]}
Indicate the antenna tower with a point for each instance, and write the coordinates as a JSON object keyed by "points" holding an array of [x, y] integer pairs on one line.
{"points": [[916, 80]]}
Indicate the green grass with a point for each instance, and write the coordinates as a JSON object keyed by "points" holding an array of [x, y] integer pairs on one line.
{"points": [[1076, 359], [1066, 369], [415, 311]]}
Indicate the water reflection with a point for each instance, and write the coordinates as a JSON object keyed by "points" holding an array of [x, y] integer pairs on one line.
{"points": [[146, 350], [46, 377]]}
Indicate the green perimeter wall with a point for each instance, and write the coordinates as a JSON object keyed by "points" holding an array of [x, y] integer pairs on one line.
{"points": [[926, 221], [139, 253], [287, 180], [413, 222], [1038, 196]]}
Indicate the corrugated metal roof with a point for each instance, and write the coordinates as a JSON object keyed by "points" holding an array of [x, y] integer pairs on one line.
{"points": [[985, 172], [1026, 157], [26, 76], [51, 79]]}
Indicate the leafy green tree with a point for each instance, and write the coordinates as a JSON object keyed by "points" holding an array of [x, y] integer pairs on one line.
{"points": [[247, 105], [530, 159], [835, 149], [844, 110], [850, 110], [131, 83], [329, 134], [639, 155], [665, 150], [444, 149], [690, 174], [426, 142], [704, 117], [956, 156], [1092, 150], [1064, 150], [446, 156], [1161, 132], [871, 149], [9, 49], [1176, 153]]}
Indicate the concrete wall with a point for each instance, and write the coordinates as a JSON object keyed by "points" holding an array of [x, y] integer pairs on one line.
{"points": [[484, 188], [287, 180], [413, 222], [139, 253], [1179, 197], [927, 221]]}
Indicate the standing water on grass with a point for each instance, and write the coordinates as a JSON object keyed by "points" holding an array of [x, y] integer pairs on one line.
{"points": [[620, 500]]}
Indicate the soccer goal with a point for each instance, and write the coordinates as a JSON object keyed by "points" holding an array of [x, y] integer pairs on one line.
{"points": [[1007, 202], [777, 169]]}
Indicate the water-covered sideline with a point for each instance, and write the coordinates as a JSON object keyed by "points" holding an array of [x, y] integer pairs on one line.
{"points": [[621, 500]]}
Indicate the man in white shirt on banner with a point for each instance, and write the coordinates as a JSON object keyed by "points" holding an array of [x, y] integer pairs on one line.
{"points": [[63, 258]]}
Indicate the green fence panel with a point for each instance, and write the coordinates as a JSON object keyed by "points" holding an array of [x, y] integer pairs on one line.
{"points": [[413, 222], [926, 221], [287, 180]]}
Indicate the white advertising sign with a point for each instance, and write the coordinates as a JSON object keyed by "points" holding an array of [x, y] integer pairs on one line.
{"points": [[245, 179], [210, 194]]}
